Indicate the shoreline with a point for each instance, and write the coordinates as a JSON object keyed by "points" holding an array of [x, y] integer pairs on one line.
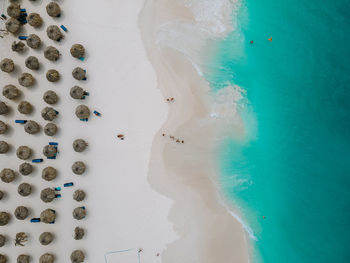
{"points": [[185, 172]]}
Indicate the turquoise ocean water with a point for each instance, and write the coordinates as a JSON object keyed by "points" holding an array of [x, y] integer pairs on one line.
{"points": [[293, 167]]}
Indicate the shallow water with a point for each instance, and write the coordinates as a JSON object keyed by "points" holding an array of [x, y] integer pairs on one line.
{"points": [[293, 165]]}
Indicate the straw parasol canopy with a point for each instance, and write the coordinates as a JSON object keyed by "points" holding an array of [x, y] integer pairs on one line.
{"points": [[47, 195], [32, 63], [14, 10], [79, 213], [77, 51], [78, 73], [26, 80], [50, 97], [82, 112], [47, 258], [53, 75], [33, 41], [12, 25], [4, 218], [25, 107], [46, 238], [48, 216], [3, 127], [18, 46], [7, 65], [25, 169], [48, 114], [7, 175], [4, 147], [23, 152], [79, 233], [77, 256], [21, 212], [49, 151], [78, 167], [77, 93], [35, 20], [4, 109], [23, 258], [51, 53], [31, 127], [2, 240], [79, 145], [53, 9], [10, 92], [49, 173], [24, 189], [54, 33], [79, 195], [3, 258], [50, 129]]}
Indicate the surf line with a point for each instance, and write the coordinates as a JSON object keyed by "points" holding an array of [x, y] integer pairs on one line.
{"points": [[121, 251]]}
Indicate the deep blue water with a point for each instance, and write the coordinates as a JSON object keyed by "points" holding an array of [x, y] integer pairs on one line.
{"points": [[294, 164]]}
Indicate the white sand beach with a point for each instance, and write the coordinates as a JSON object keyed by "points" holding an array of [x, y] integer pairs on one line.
{"points": [[146, 191]]}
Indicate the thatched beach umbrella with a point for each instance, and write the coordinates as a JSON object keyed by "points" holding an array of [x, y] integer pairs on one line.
{"points": [[4, 147], [23, 258], [14, 10], [31, 127], [47, 258], [32, 63], [2, 240], [3, 258], [24, 189], [25, 169], [48, 216], [77, 51], [53, 9], [49, 173], [4, 218], [54, 33], [26, 80], [13, 26], [49, 114], [7, 175], [46, 238], [78, 73], [50, 129], [33, 41], [77, 93], [47, 195], [79, 195], [78, 167], [79, 145], [53, 75], [50, 97], [10, 92], [50, 151], [79, 213], [77, 256], [2, 194], [23, 152], [3, 127], [35, 20], [79, 233], [51, 53], [7, 65], [25, 107], [18, 46], [4, 109], [21, 212], [82, 112]]}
